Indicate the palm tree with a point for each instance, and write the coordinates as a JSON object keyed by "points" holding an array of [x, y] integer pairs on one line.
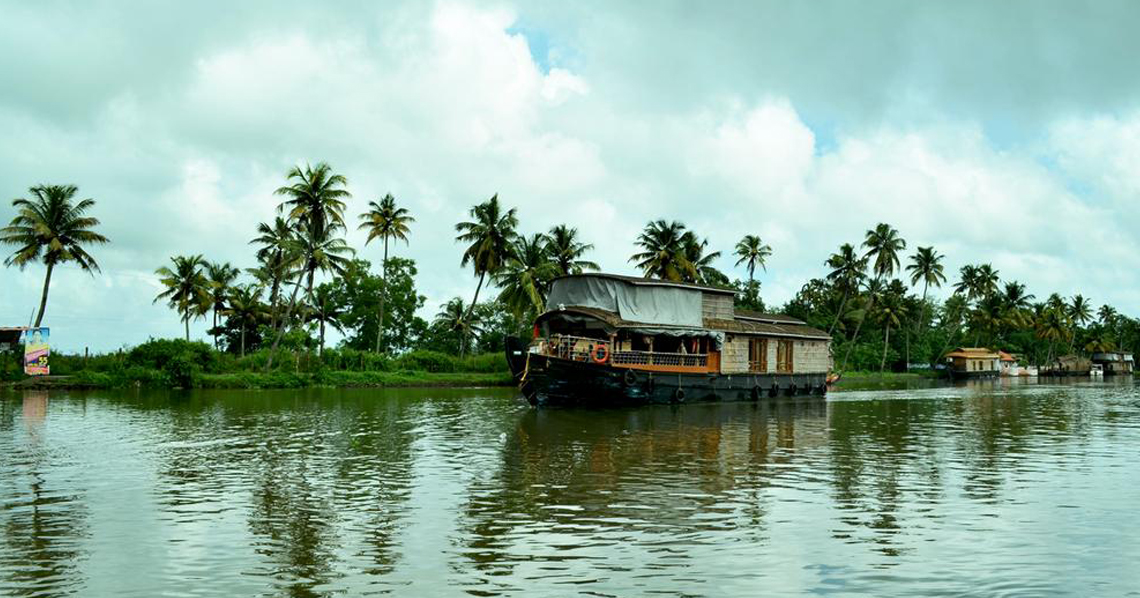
{"points": [[325, 310], [872, 288], [187, 289], [1107, 315], [526, 277], [1079, 310], [221, 278], [276, 257], [455, 316], [1017, 304], [664, 256], [702, 262], [1053, 325], [245, 306], [883, 246], [967, 285], [847, 271], [891, 312], [385, 221], [315, 204], [752, 252], [926, 265], [566, 251], [986, 280], [490, 237], [52, 229]]}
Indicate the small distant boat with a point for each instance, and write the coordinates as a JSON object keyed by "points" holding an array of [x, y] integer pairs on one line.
{"points": [[1096, 371]]}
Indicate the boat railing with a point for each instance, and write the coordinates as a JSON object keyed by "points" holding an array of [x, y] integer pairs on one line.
{"points": [[697, 361], [581, 348]]}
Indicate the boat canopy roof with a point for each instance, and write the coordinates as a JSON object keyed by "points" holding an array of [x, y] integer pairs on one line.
{"points": [[634, 300], [611, 322]]}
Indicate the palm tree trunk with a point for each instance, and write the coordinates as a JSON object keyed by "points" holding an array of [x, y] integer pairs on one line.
{"points": [[839, 314], [243, 339], [859, 326], [470, 310], [186, 321], [44, 295], [321, 350], [214, 330], [886, 343], [284, 320], [383, 295]]}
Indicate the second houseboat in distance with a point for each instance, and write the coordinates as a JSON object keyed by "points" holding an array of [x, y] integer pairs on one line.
{"points": [[608, 340]]}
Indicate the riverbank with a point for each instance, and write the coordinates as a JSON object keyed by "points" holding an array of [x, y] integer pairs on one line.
{"points": [[271, 380]]}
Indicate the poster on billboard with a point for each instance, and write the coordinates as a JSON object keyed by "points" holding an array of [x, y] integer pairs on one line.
{"points": [[36, 352]]}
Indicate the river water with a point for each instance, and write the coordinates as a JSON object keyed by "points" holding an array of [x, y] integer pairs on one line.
{"points": [[981, 490]]}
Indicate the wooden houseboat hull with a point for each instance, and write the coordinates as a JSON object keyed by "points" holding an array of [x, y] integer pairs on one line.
{"points": [[552, 381]]}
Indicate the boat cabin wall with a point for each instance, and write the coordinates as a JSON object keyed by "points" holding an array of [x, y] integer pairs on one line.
{"points": [[717, 306], [808, 356]]}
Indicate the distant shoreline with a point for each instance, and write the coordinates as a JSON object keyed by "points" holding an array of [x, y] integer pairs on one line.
{"points": [[275, 380]]}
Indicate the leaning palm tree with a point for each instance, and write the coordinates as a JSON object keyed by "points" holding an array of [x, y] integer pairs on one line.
{"points": [[752, 252], [525, 279], [385, 221], [52, 229], [967, 284], [221, 278], [1079, 310], [566, 251], [489, 237], [1053, 326], [883, 245], [663, 252], [244, 305], [314, 202], [926, 265], [847, 271], [187, 289]]}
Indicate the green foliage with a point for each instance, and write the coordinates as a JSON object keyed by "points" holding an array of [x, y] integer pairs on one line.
{"points": [[359, 292]]}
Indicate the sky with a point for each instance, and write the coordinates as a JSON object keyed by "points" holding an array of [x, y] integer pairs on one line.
{"points": [[998, 132]]}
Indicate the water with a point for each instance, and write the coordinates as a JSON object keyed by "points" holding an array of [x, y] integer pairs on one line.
{"points": [[977, 491]]}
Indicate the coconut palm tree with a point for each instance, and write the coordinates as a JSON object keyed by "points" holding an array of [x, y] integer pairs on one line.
{"points": [[461, 319], [385, 221], [1017, 304], [847, 271], [1053, 326], [245, 306], [525, 278], [1107, 315], [490, 239], [566, 251], [277, 257], [663, 254], [883, 245], [986, 279], [702, 262], [221, 278], [926, 265], [187, 289], [752, 252], [324, 310], [1079, 310], [314, 203], [967, 284], [891, 311], [52, 229]]}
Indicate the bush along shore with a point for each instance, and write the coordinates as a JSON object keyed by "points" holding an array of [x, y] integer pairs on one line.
{"points": [[181, 364]]}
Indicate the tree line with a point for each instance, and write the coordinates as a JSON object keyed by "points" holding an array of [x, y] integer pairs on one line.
{"points": [[879, 311]]}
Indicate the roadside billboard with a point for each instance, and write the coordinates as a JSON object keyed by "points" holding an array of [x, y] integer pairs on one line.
{"points": [[36, 351]]}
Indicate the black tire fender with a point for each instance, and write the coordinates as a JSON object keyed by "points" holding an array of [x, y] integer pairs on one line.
{"points": [[629, 378], [679, 395]]}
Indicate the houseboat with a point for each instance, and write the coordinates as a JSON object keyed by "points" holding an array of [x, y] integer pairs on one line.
{"points": [[609, 340], [1115, 363], [973, 362]]}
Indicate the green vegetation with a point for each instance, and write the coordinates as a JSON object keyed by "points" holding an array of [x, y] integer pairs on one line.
{"points": [[176, 363], [270, 322]]}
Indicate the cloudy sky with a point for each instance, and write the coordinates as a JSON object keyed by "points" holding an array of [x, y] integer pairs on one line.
{"points": [[1002, 132]]}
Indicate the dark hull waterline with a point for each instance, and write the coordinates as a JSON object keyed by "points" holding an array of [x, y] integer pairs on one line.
{"points": [[550, 381]]}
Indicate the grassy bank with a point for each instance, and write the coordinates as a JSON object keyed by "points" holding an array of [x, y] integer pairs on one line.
{"points": [[181, 364]]}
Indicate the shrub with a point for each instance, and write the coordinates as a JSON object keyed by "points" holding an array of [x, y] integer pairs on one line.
{"points": [[426, 361], [158, 353]]}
